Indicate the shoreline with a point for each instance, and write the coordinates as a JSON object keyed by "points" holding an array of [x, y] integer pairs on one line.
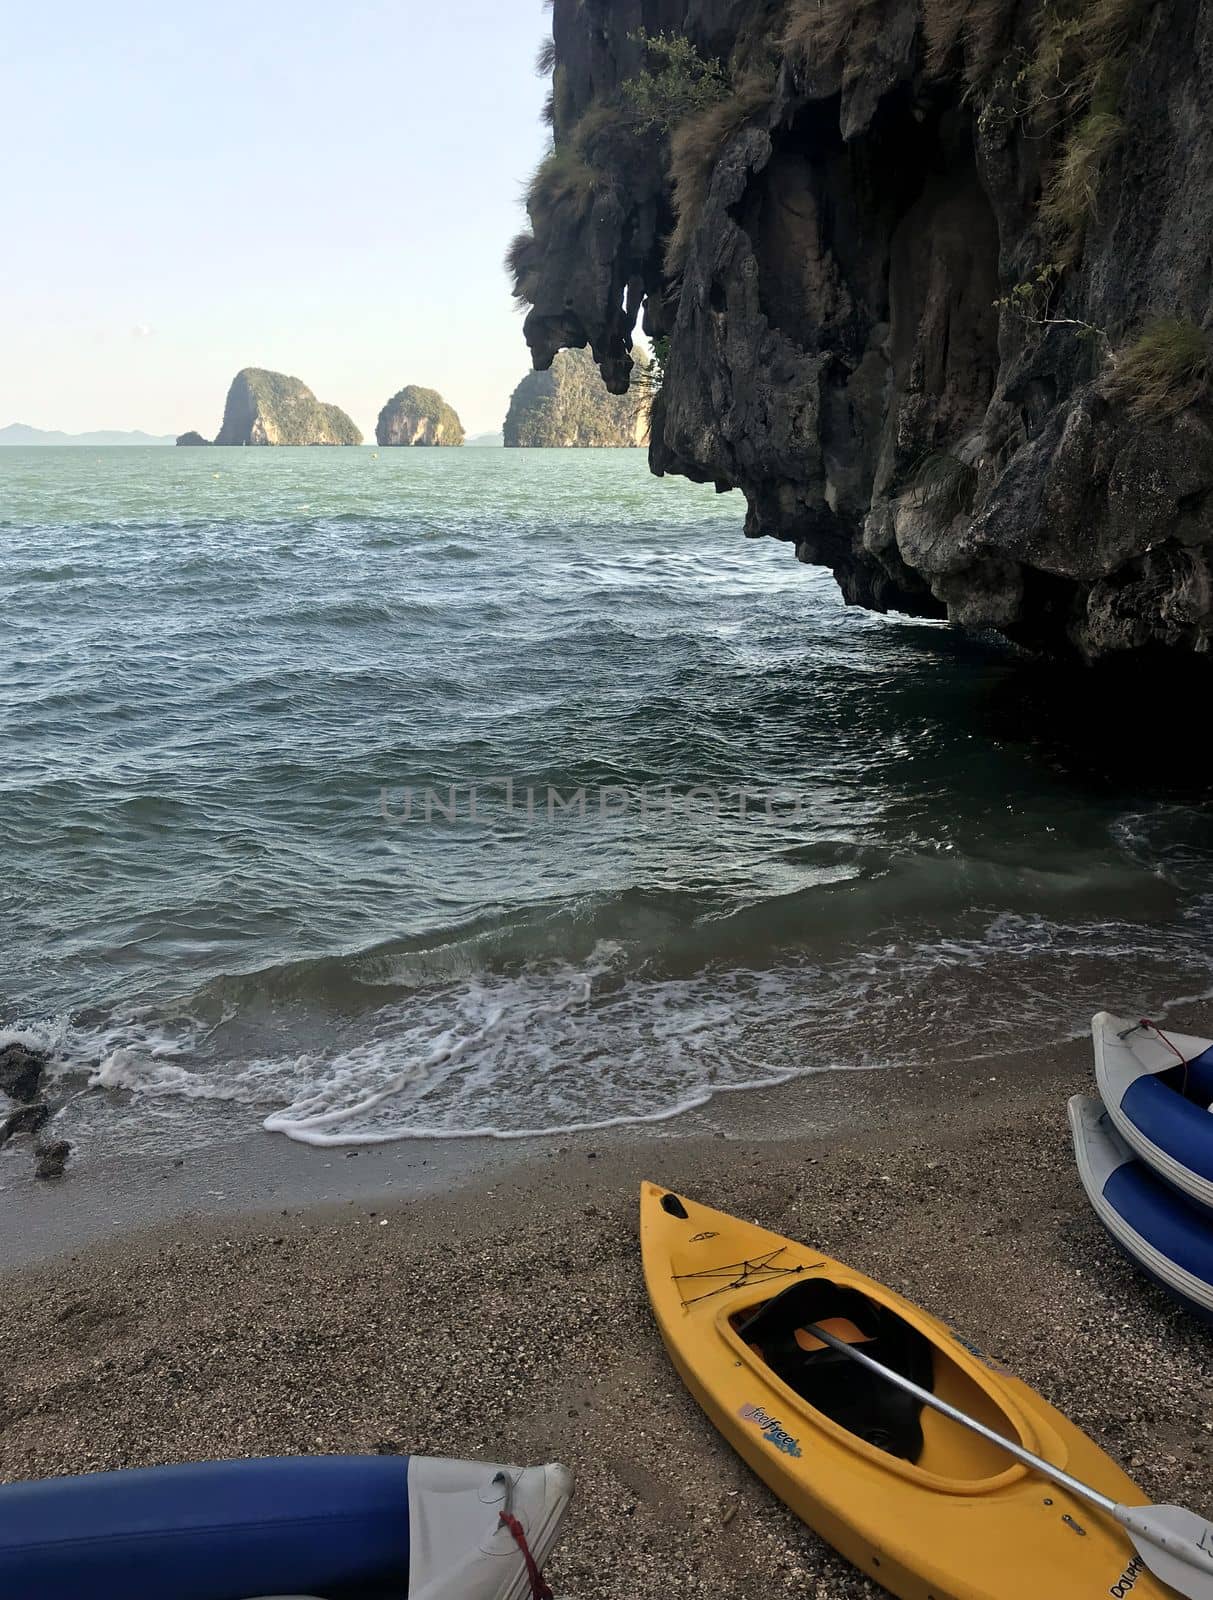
{"points": [[506, 1317], [244, 1171]]}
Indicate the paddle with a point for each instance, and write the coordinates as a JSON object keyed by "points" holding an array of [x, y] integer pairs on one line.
{"points": [[1175, 1545]]}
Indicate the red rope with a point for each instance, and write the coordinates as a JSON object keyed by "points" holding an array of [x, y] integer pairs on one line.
{"points": [[1153, 1026], [539, 1588]]}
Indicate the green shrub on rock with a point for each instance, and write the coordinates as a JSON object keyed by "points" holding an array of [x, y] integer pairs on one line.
{"points": [[676, 84]]}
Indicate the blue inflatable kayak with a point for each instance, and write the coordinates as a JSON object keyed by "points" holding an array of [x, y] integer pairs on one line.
{"points": [[332, 1527], [1165, 1235], [1158, 1088]]}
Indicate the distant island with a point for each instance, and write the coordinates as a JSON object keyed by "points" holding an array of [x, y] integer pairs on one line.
{"points": [[569, 407], [20, 433], [268, 408], [415, 416]]}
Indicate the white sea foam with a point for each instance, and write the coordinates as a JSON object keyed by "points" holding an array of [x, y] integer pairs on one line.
{"points": [[556, 1048], [559, 1052], [542, 1055], [144, 1072], [49, 1034]]}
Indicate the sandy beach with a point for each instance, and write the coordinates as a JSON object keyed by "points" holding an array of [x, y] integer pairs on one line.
{"points": [[507, 1318]]}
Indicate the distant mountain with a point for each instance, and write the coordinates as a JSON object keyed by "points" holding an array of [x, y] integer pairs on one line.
{"points": [[19, 433], [488, 440]]}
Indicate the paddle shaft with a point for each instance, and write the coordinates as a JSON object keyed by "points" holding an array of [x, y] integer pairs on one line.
{"points": [[1045, 1468]]}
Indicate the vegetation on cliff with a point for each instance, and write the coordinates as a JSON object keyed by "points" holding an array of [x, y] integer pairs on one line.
{"points": [[340, 428], [677, 83], [569, 406], [416, 416], [1164, 371], [695, 147], [268, 408]]}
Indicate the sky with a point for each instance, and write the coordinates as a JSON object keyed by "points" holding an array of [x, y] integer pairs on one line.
{"points": [[324, 190]]}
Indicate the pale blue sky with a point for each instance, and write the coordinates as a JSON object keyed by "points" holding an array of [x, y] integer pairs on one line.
{"points": [[324, 189]]}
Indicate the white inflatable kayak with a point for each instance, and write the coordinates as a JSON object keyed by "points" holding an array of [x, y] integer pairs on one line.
{"points": [[1158, 1088], [1167, 1236]]}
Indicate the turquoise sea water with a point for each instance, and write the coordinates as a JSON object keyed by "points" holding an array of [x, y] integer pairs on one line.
{"points": [[231, 677]]}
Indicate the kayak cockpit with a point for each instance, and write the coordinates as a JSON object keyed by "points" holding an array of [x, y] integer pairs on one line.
{"points": [[775, 1334], [845, 1392]]}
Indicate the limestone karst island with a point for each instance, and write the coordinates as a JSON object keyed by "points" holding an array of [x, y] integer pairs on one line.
{"points": [[607, 993], [417, 416], [266, 408], [569, 406]]}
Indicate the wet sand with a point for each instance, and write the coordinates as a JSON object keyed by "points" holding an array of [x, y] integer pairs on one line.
{"points": [[506, 1317]]}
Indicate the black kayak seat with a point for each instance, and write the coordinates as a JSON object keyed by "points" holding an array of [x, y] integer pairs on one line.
{"points": [[335, 1527], [846, 1392]]}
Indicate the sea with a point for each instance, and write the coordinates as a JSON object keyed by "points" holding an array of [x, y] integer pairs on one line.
{"points": [[359, 796]]}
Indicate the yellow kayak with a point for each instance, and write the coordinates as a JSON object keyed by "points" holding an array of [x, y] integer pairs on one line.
{"points": [[927, 1509]]}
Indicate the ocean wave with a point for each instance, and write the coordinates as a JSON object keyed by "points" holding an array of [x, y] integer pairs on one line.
{"points": [[1173, 842], [561, 1045]]}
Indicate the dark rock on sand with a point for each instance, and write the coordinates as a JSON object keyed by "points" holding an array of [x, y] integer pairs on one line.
{"points": [[52, 1158], [934, 288], [21, 1071], [25, 1119]]}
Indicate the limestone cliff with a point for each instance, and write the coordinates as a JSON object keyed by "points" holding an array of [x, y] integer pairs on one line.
{"points": [[416, 416], [270, 408], [569, 406], [936, 282]]}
